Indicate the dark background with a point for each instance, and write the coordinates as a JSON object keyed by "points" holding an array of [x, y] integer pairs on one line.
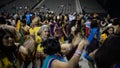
{"points": [[111, 6]]}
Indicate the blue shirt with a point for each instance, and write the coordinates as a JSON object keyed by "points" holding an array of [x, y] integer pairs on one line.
{"points": [[28, 17], [49, 59], [94, 31]]}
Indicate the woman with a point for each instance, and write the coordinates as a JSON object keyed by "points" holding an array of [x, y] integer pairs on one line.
{"points": [[8, 50], [108, 55], [93, 39], [59, 31], [54, 58], [74, 38], [29, 45], [12, 29], [43, 34], [108, 31]]}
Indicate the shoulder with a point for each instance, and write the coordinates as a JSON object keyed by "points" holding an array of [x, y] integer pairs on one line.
{"points": [[104, 35], [59, 64]]}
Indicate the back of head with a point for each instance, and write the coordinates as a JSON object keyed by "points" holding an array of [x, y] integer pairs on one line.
{"points": [[51, 46], [29, 43], [94, 24], [23, 21], [109, 53]]}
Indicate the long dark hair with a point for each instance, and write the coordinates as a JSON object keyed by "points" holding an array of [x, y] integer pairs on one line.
{"points": [[94, 24], [3, 32], [106, 30], [10, 51]]}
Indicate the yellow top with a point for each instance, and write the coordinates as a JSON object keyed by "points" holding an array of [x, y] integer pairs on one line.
{"points": [[18, 25], [103, 37], [39, 40], [5, 63], [34, 30]]}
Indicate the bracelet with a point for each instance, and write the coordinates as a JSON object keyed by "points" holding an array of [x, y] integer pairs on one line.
{"points": [[78, 52]]}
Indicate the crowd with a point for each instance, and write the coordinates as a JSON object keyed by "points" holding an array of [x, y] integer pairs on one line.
{"points": [[46, 40]]}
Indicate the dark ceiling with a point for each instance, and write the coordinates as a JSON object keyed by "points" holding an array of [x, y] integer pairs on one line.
{"points": [[112, 6]]}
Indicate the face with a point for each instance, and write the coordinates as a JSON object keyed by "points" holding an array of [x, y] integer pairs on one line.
{"points": [[45, 33], [110, 30], [8, 40]]}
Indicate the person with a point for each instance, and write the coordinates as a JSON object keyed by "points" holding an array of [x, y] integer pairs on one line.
{"points": [[43, 33], [87, 27], [108, 55], [10, 28], [74, 38], [10, 46], [60, 31], [28, 16], [35, 26], [9, 50], [25, 27], [108, 31], [93, 39], [28, 58], [54, 57]]}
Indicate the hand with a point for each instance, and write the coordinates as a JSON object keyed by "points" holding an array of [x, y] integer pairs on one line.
{"points": [[65, 48], [23, 50], [76, 40], [17, 44], [83, 43]]}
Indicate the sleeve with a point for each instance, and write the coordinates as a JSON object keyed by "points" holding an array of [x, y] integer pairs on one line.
{"points": [[92, 34], [38, 39], [103, 37]]}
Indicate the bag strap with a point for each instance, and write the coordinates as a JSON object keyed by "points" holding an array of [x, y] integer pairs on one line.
{"points": [[50, 63]]}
